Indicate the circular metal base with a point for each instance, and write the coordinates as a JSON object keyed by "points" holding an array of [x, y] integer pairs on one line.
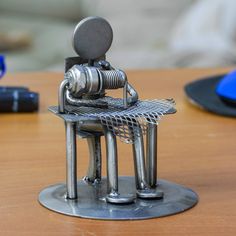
{"points": [[91, 202]]}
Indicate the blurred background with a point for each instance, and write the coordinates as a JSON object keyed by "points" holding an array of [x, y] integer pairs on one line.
{"points": [[36, 35]]}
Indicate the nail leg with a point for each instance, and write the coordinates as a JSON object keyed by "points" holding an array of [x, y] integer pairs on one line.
{"points": [[71, 165], [113, 195], [151, 155], [143, 188]]}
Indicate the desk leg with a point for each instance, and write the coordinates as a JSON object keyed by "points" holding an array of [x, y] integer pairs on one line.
{"points": [[151, 155], [71, 164]]}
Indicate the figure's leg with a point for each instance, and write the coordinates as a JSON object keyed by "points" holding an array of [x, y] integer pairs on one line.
{"points": [[113, 195], [112, 165], [95, 162], [143, 188], [151, 155], [139, 161], [71, 165]]}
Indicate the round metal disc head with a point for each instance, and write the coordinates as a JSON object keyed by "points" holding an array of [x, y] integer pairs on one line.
{"points": [[92, 37]]}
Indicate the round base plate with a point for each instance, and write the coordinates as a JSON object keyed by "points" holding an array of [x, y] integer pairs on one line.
{"points": [[91, 202]]}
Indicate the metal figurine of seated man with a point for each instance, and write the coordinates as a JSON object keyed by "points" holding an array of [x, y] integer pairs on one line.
{"points": [[90, 114]]}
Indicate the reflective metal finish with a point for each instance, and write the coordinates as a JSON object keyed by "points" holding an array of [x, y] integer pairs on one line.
{"points": [[90, 114], [139, 159], [143, 188], [71, 165], [61, 96], [91, 201], [92, 80], [148, 193], [113, 195], [151, 155], [112, 164], [133, 94], [82, 79]]}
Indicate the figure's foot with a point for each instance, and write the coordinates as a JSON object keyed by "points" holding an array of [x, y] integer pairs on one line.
{"points": [[150, 193], [116, 198]]}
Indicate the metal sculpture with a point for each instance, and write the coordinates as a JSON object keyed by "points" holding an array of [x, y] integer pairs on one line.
{"points": [[90, 114]]}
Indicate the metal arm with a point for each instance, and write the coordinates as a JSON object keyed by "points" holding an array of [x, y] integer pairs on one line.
{"points": [[61, 96]]}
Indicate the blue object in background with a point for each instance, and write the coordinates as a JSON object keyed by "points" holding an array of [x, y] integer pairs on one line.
{"points": [[16, 99], [2, 66], [226, 88]]}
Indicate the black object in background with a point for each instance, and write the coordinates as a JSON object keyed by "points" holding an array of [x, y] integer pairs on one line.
{"points": [[18, 99], [202, 93], [13, 88]]}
